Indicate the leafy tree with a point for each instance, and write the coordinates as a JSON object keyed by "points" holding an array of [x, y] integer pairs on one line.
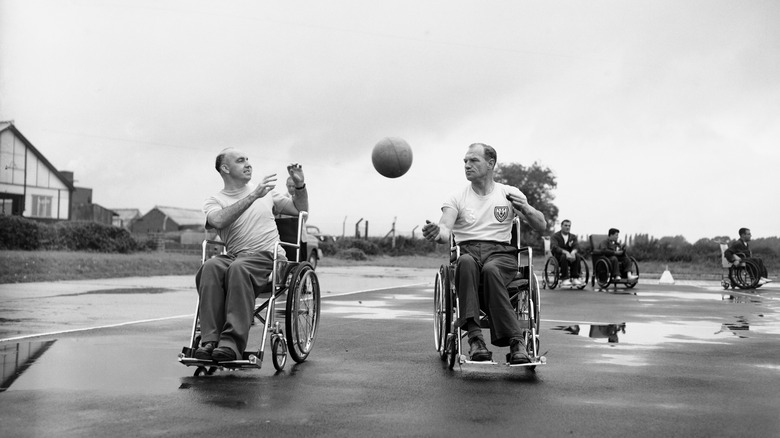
{"points": [[537, 183]]}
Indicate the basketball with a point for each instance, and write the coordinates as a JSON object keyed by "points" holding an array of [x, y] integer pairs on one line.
{"points": [[392, 157]]}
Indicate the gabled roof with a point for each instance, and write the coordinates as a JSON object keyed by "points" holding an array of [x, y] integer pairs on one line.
{"points": [[10, 126], [183, 216], [126, 214]]}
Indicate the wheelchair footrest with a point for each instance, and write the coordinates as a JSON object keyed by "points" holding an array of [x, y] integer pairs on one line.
{"points": [[251, 361], [481, 362], [541, 360]]}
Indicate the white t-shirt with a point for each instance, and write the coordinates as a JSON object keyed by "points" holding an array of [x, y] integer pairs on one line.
{"points": [[253, 231], [486, 217]]}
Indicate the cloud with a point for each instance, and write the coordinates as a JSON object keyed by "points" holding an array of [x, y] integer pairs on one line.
{"points": [[641, 109]]}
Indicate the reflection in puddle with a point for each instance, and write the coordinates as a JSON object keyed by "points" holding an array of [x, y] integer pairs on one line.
{"points": [[375, 309], [741, 298], [656, 333], [16, 358], [602, 331], [664, 295]]}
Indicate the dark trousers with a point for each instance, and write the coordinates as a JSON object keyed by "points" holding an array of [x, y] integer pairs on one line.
{"points": [[569, 269], [228, 286], [761, 268], [620, 265], [495, 264]]}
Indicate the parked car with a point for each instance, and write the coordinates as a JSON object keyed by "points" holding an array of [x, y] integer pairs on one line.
{"points": [[312, 239], [315, 231]]}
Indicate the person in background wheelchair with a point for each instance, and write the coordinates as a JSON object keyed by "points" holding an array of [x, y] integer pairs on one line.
{"points": [[480, 217], [243, 216], [739, 253], [617, 255], [565, 248]]}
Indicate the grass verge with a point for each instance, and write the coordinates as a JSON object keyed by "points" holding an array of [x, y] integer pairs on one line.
{"points": [[37, 266]]}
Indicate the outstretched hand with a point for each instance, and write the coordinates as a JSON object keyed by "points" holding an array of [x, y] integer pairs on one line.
{"points": [[268, 184], [430, 231], [296, 173]]}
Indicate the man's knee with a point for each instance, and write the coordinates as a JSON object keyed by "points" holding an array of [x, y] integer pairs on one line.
{"points": [[467, 262], [240, 270]]}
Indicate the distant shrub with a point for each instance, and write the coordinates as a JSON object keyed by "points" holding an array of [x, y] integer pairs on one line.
{"points": [[26, 234], [351, 254], [18, 233]]}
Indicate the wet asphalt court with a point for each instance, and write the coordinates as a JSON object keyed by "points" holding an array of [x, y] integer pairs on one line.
{"points": [[687, 359]]}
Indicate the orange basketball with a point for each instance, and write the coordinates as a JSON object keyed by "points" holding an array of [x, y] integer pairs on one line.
{"points": [[392, 157]]}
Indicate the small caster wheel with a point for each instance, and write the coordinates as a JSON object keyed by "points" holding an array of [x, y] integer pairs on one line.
{"points": [[279, 353]]}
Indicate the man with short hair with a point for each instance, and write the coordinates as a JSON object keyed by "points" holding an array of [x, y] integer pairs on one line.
{"points": [[616, 253], [739, 251], [565, 248], [480, 216], [243, 215]]}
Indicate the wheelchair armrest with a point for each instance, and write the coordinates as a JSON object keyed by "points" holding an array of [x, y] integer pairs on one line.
{"points": [[526, 251]]}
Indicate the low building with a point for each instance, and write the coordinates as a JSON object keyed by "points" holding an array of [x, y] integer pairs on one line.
{"points": [[168, 219], [126, 217], [83, 209]]}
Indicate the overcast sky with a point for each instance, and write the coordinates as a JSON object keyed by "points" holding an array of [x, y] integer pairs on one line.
{"points": [[659, 117]]}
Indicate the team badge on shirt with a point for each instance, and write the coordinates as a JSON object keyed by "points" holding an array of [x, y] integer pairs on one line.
{"points": [[501, 212]]}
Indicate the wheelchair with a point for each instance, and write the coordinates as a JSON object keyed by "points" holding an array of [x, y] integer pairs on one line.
{"points": [[552, 269], [524, 296], [602, 267], [744, 276], [292, 323]]}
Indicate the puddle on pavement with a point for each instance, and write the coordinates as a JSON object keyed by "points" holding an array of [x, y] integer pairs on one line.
{"points": [[17, 358], [374, 309], [736, 297], [645, 334], [89, 364], [132, 290]]}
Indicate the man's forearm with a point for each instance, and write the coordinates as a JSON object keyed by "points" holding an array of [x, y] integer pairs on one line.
{"points": [[223, 218], [301, 199], [535, 218]]}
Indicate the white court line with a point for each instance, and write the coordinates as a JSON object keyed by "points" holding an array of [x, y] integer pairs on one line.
{"points": [[142, 321], [94, 328], [341, 294]]}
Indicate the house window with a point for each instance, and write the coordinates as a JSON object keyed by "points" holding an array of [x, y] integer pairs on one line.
{"points": [[41, 206], [6, 207]]}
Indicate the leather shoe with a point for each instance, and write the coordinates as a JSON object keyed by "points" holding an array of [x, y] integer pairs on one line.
{"points": [[223, 354], [479, 351], [517, 354], [204, 352]]}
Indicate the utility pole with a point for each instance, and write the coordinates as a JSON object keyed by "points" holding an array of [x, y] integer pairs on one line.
{"points": [[357, 228]]}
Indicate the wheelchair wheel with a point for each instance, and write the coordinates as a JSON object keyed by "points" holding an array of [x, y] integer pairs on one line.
{"points": [[635, 269], [536, 297], [584, 272], [601, 273], [302, 315], [452, 349], [532, 347], [745, 276], [278, 353], [442, 310], [527, 307], [551, 273]]}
